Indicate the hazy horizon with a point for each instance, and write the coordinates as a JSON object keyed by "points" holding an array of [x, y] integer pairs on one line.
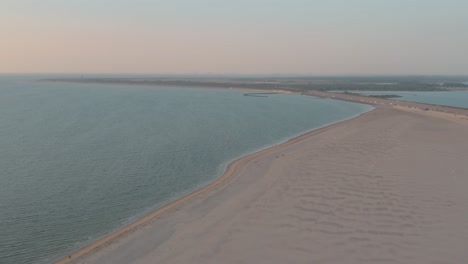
{"points": [[306, 38]]}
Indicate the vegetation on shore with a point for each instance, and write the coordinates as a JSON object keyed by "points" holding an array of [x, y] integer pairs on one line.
{"points": [[383, 96]]}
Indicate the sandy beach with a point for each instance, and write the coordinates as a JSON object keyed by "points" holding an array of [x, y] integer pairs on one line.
{"points": [[386, 187]]}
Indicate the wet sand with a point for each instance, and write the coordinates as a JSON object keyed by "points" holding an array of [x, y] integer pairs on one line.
{"points": [[386, 187]]}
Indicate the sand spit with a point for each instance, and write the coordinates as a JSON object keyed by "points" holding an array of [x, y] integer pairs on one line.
{"points": [[386, 187], [434, 110]]}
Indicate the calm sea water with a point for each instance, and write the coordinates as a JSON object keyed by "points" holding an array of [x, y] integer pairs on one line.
{"points": [[452, 98], [78, 161]]}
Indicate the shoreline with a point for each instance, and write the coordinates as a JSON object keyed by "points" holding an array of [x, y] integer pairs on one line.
{"points": [[351, 192], [242, 161], [356, 98], [231, 168], [390, 102]]}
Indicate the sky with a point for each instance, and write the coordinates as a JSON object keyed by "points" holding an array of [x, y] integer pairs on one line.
{"points": [[311, 37]]}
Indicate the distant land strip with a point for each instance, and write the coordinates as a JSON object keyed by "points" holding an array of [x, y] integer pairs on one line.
{"points": [[293, 84]]}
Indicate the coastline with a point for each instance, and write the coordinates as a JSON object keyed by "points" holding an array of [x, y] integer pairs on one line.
{"points": [[374, 101], [399, 104], [238, 164], [231, 168], [384, 187]]}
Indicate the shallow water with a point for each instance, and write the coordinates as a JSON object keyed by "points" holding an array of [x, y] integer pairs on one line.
{"points": [[79, 160]]}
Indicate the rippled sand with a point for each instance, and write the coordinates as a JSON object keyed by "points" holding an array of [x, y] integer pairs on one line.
{"points": [[387, 187]]}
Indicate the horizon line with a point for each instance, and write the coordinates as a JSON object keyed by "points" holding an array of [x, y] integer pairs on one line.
{"points": [[242, 74]]}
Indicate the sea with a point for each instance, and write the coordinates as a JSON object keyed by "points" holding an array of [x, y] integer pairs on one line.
{"points": [[448, 98], [78, 161]]}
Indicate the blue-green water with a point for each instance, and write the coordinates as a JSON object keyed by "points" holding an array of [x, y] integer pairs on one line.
{"points": [[78, 161], [451, 98]]}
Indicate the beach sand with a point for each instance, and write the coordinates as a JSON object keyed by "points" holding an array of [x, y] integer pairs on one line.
{"points": [[389, 186]]}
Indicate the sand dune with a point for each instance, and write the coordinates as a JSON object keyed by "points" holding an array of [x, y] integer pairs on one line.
{"points": [[386, 187]]}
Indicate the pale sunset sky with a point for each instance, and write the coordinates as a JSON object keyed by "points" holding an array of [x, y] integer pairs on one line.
{"points": [[234, 37]]}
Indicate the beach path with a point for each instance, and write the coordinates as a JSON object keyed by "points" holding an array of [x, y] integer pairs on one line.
{"points": [[386, 187]]}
